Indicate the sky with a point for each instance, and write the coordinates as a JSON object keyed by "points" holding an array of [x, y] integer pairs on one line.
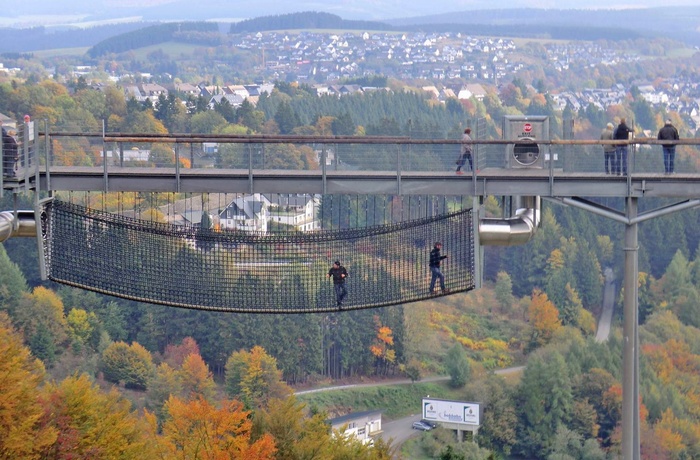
{"points": [[53, 12]]}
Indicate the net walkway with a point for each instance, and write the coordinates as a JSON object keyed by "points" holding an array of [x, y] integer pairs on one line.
{"points": [[236, 271]]}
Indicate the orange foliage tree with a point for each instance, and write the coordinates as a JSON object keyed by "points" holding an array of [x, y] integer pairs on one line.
{"points": [[196, 429], [544, 318], [381, 347]]}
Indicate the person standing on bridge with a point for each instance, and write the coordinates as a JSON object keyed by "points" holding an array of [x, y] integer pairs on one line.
{"points": [[339, 274], [465, 152], [436, 274], [10, 152], [621, 133], [608, 149], [668, 133]]}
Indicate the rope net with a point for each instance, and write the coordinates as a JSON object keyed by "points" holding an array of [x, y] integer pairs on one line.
{"points": [[248, 272]]}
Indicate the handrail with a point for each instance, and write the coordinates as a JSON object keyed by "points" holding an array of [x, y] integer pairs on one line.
{"points": [[304, 139]]}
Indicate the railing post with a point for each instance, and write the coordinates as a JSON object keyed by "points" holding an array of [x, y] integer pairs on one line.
{"points": [[49, 156], [323, 168], [177, 167], [398, 168], [250, 169], [25, 151], [104, 158]]}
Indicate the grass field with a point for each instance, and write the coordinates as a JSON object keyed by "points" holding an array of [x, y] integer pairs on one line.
{"points": [[395, 401]]}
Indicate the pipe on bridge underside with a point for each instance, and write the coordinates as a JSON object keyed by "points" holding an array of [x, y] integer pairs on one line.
{"points": [[512, 231], [20, 224], [515, 230]]}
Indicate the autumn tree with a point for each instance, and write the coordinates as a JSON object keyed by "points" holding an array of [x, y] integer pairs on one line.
{"points": [[197, 429], [544, 318], [381, 348], [92, 423], [254, 378], [41, 317], [196, 379], [175, 355], [131, 365], [22, 433], [166, 382], [82, 328]]}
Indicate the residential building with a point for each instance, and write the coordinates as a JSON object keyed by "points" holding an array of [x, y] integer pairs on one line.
{"points": [[361, 425]]}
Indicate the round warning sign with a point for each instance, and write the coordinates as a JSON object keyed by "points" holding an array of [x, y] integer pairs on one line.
{"points": [[527, 128]]}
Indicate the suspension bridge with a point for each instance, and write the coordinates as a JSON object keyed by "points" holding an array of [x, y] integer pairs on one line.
{"points": [[120, 252]]}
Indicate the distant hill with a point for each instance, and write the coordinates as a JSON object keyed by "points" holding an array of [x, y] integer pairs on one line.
{"points": [[44, 38], [676, 23], [306, 20], [679, 23], [204, 33]]}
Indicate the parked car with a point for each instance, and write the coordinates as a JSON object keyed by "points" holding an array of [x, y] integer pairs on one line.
{"points": [[421, 426], [430, 423]]}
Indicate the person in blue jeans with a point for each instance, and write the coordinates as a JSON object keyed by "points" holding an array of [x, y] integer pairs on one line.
{"points": [[436, 274], [668, 133], [338, 273], [621, 133]]}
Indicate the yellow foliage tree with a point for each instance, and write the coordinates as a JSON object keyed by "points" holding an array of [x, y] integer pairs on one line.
{"points": [[94, 424], [42, 308], [80, 325], [253, 377], [22, 435]]}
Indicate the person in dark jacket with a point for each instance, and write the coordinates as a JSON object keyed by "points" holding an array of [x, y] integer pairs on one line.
{"points": [[621, 133], [338, 273], [668, 133], [436, 274], [10, 151]]}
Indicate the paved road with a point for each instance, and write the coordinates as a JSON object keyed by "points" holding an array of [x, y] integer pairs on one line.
{"points": [[608, 303], [398, 431], [376, 384]]}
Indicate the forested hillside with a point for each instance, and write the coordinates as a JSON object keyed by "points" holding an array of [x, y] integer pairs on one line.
{"points": [[538, 307]]}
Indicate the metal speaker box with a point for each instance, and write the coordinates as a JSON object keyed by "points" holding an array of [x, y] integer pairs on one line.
{"points": [[529, 130]]}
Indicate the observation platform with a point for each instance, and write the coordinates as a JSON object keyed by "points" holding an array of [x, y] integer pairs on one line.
{"points": [[183, 163], [489, 181]]}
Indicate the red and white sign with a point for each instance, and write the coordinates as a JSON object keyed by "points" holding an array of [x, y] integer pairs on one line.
{"points": [[527, 127]]}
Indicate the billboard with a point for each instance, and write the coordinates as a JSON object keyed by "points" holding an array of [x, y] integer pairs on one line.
{"points": [[440, 410]]}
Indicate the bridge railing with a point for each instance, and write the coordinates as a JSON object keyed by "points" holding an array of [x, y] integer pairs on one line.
{"points": [[395, 155]]}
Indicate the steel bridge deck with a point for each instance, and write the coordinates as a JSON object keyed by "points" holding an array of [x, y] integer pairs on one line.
{"points": [[490, 181]]}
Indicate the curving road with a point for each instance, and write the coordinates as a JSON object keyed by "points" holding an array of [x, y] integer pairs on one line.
{"points": [[400, 430]]}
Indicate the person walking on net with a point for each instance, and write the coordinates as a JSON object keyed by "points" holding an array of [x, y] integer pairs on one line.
{"points": [[608, 149], [436, 274], [465, 152], [668, 133], [338, 273]]}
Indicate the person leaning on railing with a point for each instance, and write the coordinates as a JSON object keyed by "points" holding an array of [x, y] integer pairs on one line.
{"points": [[622, 132], [668, 133], [608, 149]]}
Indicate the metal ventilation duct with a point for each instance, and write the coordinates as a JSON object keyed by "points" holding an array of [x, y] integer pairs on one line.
{"points": [[515, 230]]}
